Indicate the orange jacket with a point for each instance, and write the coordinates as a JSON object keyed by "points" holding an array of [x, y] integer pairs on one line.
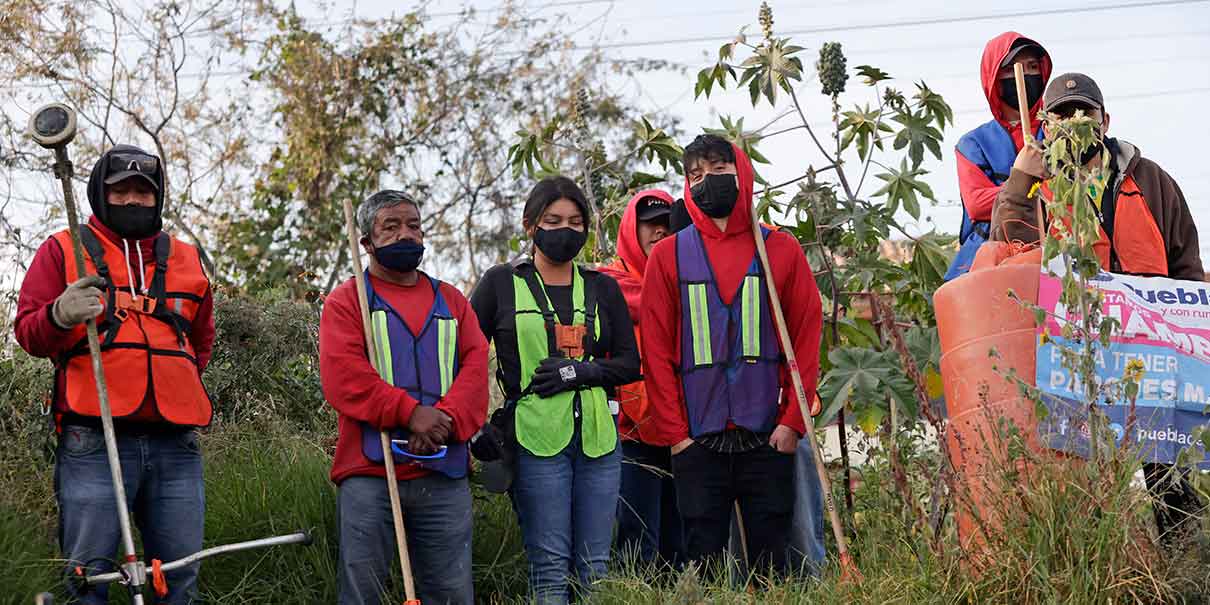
{"points": [[1153, 230], [1137, 242], [144, 351]]}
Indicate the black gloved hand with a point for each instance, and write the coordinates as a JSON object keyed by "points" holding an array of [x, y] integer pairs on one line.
{"points": [[557, 374]]}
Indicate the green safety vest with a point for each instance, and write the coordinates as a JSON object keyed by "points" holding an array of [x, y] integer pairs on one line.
{"points": [[545, 425]]}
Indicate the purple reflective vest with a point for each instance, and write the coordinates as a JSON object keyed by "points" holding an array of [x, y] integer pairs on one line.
{"points": [[729, 353], [423, 365]]}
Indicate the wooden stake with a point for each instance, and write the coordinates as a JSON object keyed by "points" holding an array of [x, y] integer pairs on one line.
{"points": [[848, 569], [1027, 133], [388, 458]]}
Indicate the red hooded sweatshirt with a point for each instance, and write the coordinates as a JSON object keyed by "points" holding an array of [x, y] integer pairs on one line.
{"points": [[978, 191], [729, 253], [628, 270]]}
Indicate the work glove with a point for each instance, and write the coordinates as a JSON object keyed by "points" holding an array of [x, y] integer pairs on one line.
{"points": [[80, 302], [557, 374]]}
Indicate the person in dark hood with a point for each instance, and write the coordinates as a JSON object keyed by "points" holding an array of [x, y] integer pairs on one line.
{"points": [[1146, 229], [679, 217], [649, 525], [985, 155], [718, 392], [154, 311], [564, 343]]}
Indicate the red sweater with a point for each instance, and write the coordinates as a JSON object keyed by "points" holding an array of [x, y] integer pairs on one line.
{"points": [[45, 281], [729, 253], [627, 270], [351, 385]]}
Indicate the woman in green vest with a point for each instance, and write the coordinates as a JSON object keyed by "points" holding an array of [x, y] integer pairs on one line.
{"points": [[564, 341]]}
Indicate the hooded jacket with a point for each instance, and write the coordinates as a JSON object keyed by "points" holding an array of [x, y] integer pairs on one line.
{"points": [[627, 269], [729, 252], [45, 280], [1014, 217], [985, 155], [979, 178]]}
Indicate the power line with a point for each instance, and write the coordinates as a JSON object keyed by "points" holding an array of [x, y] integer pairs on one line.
{"points": [[720, 38], [898, 24]]}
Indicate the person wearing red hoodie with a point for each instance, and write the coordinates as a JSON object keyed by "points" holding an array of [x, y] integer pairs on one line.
{"points": [[985, 155], [649, 525], [717, 389], [154, 311], [430, 393]]}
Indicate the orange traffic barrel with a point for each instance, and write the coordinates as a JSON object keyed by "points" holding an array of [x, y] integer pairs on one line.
{"points": [[980, 326]]}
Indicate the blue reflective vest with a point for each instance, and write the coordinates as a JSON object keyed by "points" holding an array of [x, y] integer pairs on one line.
{"points": [[424, 366], [729, 353], [989, 147]]}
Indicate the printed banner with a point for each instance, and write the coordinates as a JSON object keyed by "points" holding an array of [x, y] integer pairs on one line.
{"points": [[1165, 324]]}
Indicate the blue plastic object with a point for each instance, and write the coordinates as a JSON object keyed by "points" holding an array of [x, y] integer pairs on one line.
{"points": [[399, 446]]}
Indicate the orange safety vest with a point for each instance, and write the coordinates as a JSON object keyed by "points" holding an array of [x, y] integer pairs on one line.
{"points": [[1137, 241], [145, 350]]}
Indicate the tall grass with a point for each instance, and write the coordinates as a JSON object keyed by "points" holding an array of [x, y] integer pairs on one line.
{"points": [[1057, 533]]}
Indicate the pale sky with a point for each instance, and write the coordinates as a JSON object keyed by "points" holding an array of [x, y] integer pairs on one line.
{"points": [[1151, 60], [1149, 57]]}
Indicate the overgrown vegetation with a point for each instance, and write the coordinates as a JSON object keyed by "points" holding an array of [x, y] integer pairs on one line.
{"points": [[1058, 531]]}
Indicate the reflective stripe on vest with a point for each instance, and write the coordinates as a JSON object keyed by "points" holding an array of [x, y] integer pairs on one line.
{"points": [[545, 425], [423, 365], [1137, 240], [729, 363], [144, 346]]}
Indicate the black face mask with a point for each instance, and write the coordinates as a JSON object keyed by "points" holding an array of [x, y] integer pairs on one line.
{"points": [[133, 222], [560, 245], [1034, 85], [716, 195], [402, 256], [1091, 152]]}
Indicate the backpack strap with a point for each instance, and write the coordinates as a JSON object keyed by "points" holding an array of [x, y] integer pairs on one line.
{"points": [[590, 309], [529, 273], [108, 328]]}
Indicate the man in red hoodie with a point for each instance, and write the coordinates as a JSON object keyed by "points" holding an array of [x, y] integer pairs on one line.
{"points": [[649, 525], [713, 363], [985, 155], [154, 312], [430, 393]]}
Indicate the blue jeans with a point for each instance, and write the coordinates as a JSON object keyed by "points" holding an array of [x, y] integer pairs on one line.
{"points": [[807, 534], [162, 474], [437, 517], [649, 525], [566, 505]]}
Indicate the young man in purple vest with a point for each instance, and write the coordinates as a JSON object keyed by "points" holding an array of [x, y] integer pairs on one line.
{"points": [[430, 393], [713, 366]]}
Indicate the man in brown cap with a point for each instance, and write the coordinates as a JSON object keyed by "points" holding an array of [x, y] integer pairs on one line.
{"points": [[1146, 229]]}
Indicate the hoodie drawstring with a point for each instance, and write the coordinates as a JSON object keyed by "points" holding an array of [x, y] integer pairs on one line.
{"points": [[129, 272]]}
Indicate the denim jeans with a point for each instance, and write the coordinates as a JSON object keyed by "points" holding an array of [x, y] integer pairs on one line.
{"points": [[807, 534], [162, 474], [566, 505], [649, 525], [437, 517]]}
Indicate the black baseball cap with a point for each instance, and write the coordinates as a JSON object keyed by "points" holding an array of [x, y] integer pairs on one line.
{"points": [[1020, 46], [652, 208], [126, 164], [1072, 88]]}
